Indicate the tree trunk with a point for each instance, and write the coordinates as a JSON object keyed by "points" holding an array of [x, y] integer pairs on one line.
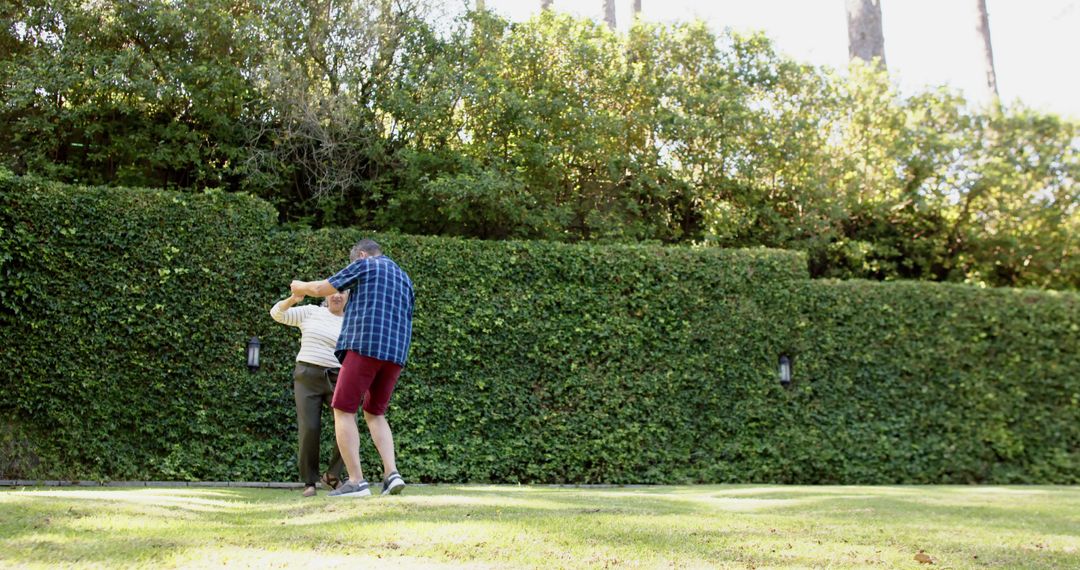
{"points": [[609, 13], [983, 27], [545, 4], [637, 8], [865, 39]]}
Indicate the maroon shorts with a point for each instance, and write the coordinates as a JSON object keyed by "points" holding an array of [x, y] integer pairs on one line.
{"points": [[366, 379]]}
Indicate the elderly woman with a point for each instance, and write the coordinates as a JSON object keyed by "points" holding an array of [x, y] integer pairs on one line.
{"points": [[314, 377]]}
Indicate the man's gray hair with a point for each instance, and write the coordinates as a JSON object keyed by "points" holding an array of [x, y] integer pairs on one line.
{"points": [[368, 247]]}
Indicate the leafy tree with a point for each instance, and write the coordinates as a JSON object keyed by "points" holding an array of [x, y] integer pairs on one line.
{"points": [[385, 115], [151, 93]]}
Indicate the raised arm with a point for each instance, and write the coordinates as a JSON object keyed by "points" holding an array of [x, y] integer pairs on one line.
{"points": [[280, 311], [313, 288]]}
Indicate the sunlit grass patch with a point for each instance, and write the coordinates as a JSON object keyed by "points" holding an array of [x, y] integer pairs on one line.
{"points": [[545, 527]]}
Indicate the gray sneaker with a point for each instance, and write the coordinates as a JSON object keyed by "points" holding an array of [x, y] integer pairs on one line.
{"points": [[393, 484], [348, 489]]}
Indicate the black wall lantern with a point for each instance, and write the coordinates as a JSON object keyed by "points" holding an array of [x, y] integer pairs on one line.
{"points": [[253, 354], [785, 370]]}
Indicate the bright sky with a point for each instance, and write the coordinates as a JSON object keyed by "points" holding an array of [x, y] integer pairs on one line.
{"points": [[927, 42]]}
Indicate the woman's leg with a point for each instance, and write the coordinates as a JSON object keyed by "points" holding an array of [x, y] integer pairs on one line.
{"points": [[333, 472], [307, 388]]}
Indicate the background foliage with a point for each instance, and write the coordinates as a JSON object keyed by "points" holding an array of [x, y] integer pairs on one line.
{"points": [[125, 313], [391, 116]]}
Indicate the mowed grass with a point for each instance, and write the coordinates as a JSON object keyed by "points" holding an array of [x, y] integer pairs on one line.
{"points": [[545, 527]]}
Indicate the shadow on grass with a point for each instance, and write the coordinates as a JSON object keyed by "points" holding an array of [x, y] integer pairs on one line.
{"points": [[563, 527]]}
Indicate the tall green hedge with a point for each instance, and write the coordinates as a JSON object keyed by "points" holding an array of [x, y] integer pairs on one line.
{"points": [[125, 314], [929, 383]]}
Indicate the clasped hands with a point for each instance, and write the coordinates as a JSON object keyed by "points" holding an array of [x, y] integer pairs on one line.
{"points": [[297, 288]]}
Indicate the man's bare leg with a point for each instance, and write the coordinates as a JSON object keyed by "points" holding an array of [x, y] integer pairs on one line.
{"points": [[384, 441], [348, 440]]}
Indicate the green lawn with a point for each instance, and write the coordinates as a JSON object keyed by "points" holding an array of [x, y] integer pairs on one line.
{"points": [[545, 527]]}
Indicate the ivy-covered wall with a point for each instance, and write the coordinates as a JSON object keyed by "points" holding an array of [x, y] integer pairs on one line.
{"points": [[125, 314]]}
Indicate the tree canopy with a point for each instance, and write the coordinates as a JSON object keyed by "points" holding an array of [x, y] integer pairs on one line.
{"points": [[391, 116]]}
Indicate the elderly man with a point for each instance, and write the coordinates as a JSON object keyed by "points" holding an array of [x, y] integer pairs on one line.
{"points": [[373, 346]]}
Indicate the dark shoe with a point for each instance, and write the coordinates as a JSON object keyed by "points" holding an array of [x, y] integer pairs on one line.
{"points": [[393, 484], [330, 481], [348, 489], [309, 491]]}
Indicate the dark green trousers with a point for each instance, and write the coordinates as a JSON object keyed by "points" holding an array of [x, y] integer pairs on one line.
{"points": [[313, 388]]}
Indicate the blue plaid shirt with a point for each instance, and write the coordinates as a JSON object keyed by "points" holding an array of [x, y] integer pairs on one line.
{"points": [[378, 316]]}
